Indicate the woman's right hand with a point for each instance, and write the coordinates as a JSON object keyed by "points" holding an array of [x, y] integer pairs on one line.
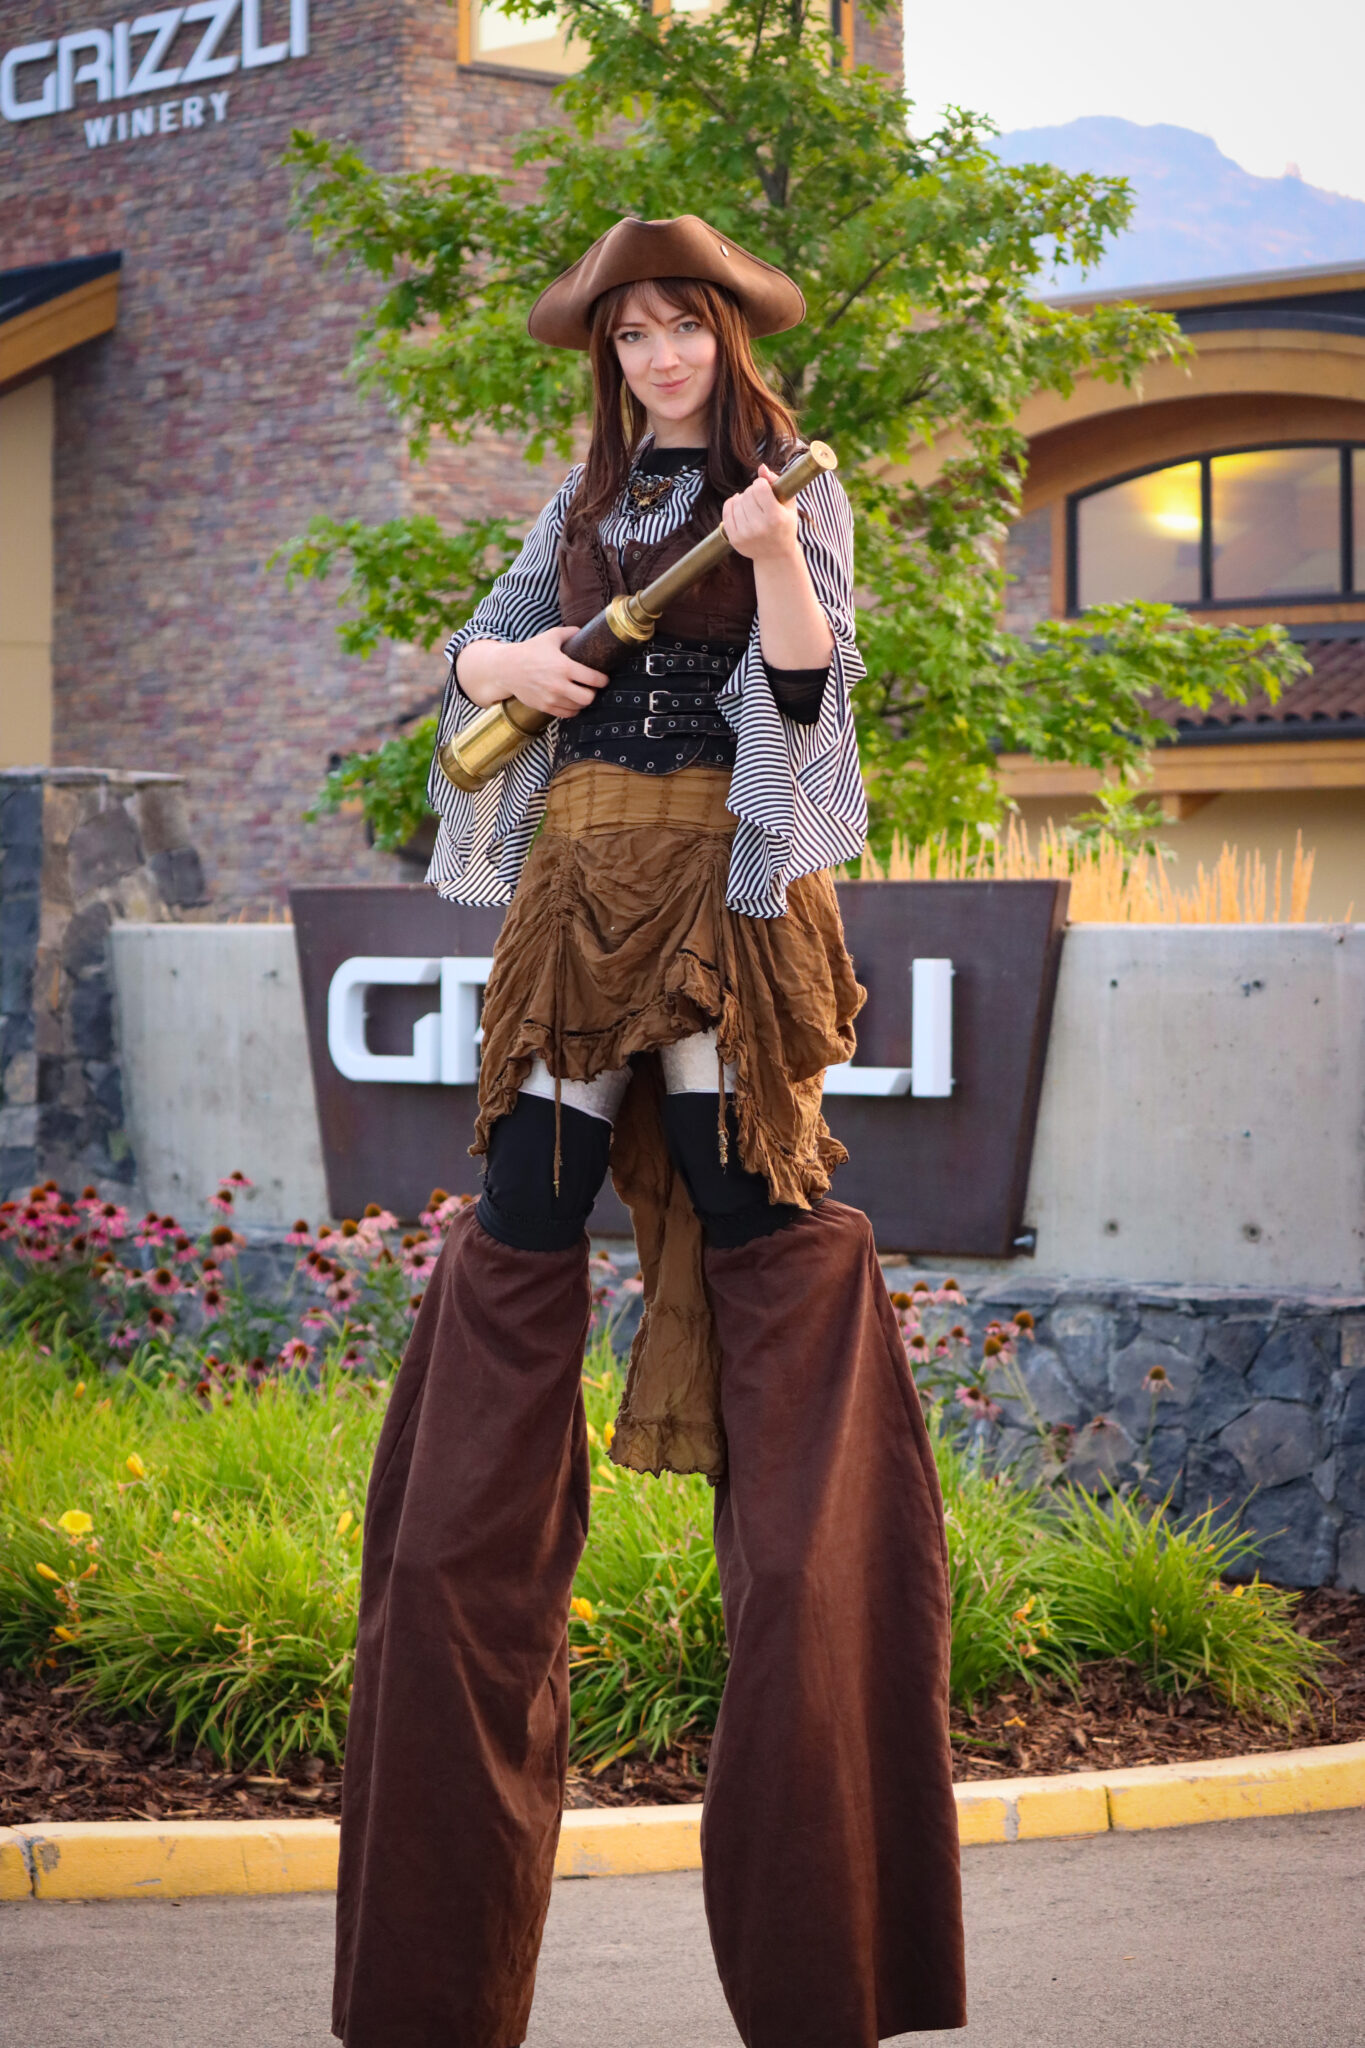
{"points": [[537, 672]]}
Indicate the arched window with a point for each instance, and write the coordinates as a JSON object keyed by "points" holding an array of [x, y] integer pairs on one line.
{"points": [[1254, 525]]}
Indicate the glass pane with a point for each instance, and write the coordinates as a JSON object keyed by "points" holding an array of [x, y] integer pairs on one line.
{"points": [[1276, 522], [1140, 540], [526, 45]]}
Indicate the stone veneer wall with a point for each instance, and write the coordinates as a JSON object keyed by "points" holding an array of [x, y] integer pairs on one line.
{"points": [[1263, 1412], [79, 847]]}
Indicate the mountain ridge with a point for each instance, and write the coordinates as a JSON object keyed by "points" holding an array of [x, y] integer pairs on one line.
{"points": [[1199, 214]]}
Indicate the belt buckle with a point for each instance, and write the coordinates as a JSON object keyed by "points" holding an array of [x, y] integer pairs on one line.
{"points": [[652, 706], [650, 721], [651, 658]]}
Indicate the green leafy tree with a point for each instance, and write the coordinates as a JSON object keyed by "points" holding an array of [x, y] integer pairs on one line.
{"points": [[918, 258]]}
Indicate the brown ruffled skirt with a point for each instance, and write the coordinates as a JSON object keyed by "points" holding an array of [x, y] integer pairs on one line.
{"points": [[619, 942]]}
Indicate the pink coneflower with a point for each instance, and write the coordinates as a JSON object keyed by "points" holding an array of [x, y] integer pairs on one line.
{"points": [[375, 1220], [978, 1402], [632, 1284], [236, 1180], [159, 1320], [300, 1234], [315, 1319], [126, 1338], [149, 1231], [213, 1302], [1158, 1381], [163, 1281], [295, 1354], [222, 1201], [182, 1248], [342, 1289], [225, 1240], [419, 1258]]}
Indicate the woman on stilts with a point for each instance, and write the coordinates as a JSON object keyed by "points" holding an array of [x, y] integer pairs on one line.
{"points": [[669, 986]]}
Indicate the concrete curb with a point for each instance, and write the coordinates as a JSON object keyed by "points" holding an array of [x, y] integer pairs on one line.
{"points": [[145, 1859]]}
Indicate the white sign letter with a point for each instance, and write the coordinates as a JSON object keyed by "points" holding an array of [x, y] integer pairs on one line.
{"points": [[11, 106], [346, 1020], [204, 64], [96, 71], [161, 27], [254, 52], [931, 1027]]}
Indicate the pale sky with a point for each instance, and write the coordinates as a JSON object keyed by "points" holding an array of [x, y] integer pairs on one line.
{"points": [[1272, 84]]}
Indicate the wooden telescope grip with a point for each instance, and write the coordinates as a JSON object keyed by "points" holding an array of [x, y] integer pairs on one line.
{"points": [[472, 757]]}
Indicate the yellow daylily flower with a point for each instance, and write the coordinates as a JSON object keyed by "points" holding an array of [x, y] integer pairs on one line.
{"points": [[65, 1635], [136, 1466], [345, 1521], [76, 1522], [45, 1571], [584, 1609], [78, 1389], [609, 1434]]}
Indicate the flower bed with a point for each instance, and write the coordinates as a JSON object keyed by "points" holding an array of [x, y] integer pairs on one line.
{"points": [[179, 1524]]}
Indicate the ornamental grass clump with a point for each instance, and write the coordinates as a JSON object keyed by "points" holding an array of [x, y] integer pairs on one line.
{"points": [[1123, 1579], [185, 1557], [646, 1636]]}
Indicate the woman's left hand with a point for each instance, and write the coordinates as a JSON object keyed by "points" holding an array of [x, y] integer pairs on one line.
{"points": [[759, 525]]}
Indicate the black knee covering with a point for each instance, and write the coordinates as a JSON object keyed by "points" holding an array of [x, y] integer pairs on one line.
{"points": [[519, 1205], [732, 1203]]}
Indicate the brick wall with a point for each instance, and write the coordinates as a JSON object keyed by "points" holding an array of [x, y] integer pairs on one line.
{"points": [[218, 417]]}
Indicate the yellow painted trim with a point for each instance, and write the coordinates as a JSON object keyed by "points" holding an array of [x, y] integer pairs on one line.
{"points": [[31, 339], [14, 1878], [179, 1859], [1204, 771], [1238, 1788], [629, 1841], [137, 1859]]}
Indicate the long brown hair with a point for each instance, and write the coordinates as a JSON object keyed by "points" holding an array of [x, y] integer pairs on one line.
{"points": [[749, 423]]}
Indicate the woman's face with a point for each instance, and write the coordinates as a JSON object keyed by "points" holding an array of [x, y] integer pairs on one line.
{"points": [[668, 359]]}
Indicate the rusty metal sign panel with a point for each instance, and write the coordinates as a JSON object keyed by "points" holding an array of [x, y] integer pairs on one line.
{"points": [[937, 1110]]}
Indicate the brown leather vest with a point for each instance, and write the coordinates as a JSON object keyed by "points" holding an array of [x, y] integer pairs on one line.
{"points": [[720, 608]]}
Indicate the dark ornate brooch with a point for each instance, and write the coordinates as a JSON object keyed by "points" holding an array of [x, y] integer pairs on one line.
{"points": [[643, 493]]}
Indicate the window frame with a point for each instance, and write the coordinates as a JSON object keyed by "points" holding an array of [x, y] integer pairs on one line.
{"points": [[1206, 601]]}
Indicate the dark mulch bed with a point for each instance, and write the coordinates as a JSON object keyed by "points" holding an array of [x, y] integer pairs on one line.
{"points": [[59, 1763]]}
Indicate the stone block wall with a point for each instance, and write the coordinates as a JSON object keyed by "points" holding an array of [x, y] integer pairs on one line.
{"points": [[1251, 1403], [78, 849]]}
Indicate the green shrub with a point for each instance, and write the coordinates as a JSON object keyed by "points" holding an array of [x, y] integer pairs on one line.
{"points": [[646, 1636], [215, 1585], [190, 1551], [1123, 1579]]}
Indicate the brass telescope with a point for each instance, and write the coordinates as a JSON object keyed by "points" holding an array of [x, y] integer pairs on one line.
{"points": [[488, 742]]}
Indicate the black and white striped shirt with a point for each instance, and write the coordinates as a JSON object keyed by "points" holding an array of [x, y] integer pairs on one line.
{"points": [[796, 789]]}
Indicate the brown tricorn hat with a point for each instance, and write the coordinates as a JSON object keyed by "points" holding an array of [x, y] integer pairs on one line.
{"points": [[636, 250]]}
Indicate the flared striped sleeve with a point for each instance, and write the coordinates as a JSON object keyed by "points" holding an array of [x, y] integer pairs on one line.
{"points": [[483, 836], [797, 789]]}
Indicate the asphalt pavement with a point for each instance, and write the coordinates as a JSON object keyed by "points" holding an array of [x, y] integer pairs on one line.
{"points": [[1241, 1935]]}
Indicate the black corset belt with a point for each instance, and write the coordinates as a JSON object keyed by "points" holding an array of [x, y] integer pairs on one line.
{"points": [[658, 713]]}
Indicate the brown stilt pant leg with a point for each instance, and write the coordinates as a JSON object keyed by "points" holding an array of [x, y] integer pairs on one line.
{"points": [[457, 1745], [829, 1837]]}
